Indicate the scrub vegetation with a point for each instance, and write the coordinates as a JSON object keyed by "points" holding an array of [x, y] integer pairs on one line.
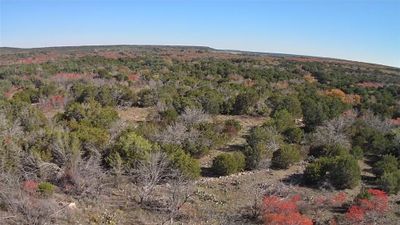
{"points": [[193, 135]]}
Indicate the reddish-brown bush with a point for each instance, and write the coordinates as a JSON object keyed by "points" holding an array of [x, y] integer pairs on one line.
{"points": [[278, 211], [30, 186], [376, 205], [338, 199], [355, 214]]}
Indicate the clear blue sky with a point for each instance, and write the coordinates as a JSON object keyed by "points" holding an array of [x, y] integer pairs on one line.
{"points": [[362, 30]]}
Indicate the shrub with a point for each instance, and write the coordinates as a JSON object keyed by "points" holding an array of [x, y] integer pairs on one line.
{"points": [[258, 146], [197, 146], [90, 136], [121, 77], [314, 172], [104, 74], [91, 114], [294, 135], [182, 161], [283, 120], [328, 151], [228, 163], [345, 172], [245, 102], [317, 109], [252, 157], [212, 132], [168, 116], [147, 129], [380, 143], [28, 95], [131, 148], [265, 139], [388, 164], [147, 97], [232, 127], [357, 152], [369, 138], [46, 189], [74, 111], [290, 103], [285, 157], [30, 117], [390, 182], [341, 172], [210, 101]]}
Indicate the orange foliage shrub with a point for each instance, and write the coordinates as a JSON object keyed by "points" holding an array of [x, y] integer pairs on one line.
{"points": [[67, 76], [346, 98], [10, 93], [370, 85], [281, 85], [235, 77], [133, 77], [53, 102], [310, 79], [249, 83], [395, 122], [278, 211]]}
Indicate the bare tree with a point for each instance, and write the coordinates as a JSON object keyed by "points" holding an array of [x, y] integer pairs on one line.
{"points": [[273, 140], [161, 106], [24, 207], [180, 191], [117, 168], [192, 116], [374, 121], [78, 176], [149, 173], [85, 177], [333, 132], [10, 150], [9, 129], [116, 128], [173, 134], [254, 209]]}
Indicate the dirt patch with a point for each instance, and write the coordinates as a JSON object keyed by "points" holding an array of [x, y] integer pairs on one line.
{"points": [[135, 114]]}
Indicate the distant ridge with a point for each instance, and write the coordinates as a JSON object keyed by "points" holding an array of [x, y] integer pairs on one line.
{"points": [[13, 50]]}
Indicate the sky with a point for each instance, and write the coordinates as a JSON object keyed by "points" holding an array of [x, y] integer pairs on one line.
{"points": [[360, 30]]}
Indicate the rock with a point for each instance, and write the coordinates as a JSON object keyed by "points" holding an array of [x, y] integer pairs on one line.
{"points": [[72, 206]]}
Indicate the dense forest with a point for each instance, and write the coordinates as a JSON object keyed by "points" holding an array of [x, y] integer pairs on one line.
{"points": [[193, 135]]}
